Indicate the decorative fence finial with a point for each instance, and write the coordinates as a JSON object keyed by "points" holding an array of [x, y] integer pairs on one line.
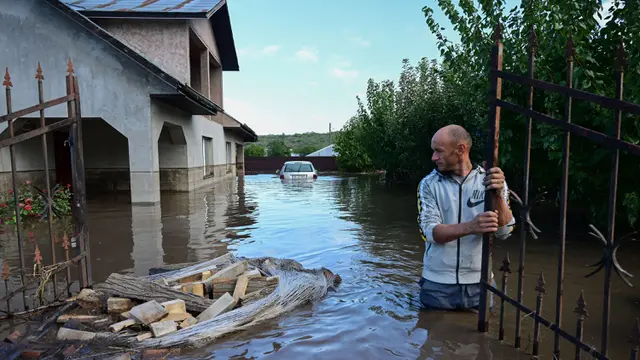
{"points": [[5, 269], [505, 265], [570, 50], [39, 75], [533, 39], [621, 57], [7, 79], [497, 33], [581, 309], [540, 286], [65, 241], [70, 67], [38, 258]]}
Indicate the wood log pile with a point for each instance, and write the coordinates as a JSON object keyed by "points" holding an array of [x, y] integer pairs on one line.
{"points": [[148, 309]]}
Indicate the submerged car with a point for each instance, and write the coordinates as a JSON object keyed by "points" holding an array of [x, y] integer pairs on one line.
{"points": [[298, 170]]}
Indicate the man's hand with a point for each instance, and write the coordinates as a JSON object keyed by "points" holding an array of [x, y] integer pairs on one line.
{"points": [[494, 180], [486, 222]]}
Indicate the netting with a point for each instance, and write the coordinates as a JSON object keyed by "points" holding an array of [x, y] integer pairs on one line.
{"points": [[296, 287]]}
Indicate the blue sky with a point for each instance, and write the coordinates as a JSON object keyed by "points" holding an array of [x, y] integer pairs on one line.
{"points": [[303, 62]]}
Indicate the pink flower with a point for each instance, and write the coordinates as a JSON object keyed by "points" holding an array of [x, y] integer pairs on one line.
{"points": [[21, 204], [28, 201], [28, 182], [28, 207]]}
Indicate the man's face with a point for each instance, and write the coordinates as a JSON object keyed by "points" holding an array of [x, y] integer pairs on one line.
{"points": [[445, 154]]}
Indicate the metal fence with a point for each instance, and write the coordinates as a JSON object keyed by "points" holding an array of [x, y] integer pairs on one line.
{"points": [[42, 281], [608, 262]]}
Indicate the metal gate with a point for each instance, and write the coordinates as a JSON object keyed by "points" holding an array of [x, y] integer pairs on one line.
{"points": [[608, 261], [41, 282]]}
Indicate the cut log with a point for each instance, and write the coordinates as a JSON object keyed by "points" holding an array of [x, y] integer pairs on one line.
{"points": [[241, 287], [254, 285], [175, 306], [229, 273], [149, 312], [188, 322], [163, 327], [65, 334], [190, 279], [83, 319], [144, 336], [199, 268], [195, 289], [117, 327], [257, 295], [125, 315], [119, 305], [136, 288], [222, 305], [255, 273], [207, 274], [177, 317], [89, 299]]}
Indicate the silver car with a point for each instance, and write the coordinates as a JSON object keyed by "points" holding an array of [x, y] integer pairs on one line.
{"points": [[298, 170]]}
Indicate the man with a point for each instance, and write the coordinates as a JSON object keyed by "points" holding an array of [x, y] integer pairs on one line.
{"points": [[452, 221]]}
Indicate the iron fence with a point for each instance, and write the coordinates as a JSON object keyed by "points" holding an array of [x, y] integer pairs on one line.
{"points": [[608, 263], [43, 278]]}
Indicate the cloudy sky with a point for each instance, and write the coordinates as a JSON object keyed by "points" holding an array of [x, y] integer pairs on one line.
{"points": [[302, 62]]}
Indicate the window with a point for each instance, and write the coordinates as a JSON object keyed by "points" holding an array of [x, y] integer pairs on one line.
{"points": [[207, 156], [228, 157], [290, 168]]}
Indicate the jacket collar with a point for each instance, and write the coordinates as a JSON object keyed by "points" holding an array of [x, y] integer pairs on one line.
{"points": [[477, 170]]}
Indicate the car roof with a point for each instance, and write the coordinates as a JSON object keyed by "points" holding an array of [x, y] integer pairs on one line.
{"points": [[298, 162]]}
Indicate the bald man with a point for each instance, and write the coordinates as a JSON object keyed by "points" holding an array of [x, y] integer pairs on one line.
{"points": [[452, 221]]}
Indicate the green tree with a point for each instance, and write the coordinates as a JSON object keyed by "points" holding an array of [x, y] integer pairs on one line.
{"points": [[254, 150], [278, 148], [305, 150]]}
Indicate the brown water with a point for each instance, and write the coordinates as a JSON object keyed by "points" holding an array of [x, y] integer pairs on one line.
{"points": [[367, 233]]}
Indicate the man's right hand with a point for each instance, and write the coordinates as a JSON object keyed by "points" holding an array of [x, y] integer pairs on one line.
{"points": [[487, 222]]}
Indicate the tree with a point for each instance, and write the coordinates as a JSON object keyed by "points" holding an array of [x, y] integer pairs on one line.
{"points": [[253, 150], [278, 148], [305, 150]]}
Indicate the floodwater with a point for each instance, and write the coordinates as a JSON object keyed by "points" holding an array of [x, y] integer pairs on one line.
{"points": [[368, 234]]}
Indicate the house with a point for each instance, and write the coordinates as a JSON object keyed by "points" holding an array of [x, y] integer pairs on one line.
{"points": [[150, 77], [325, 151]]}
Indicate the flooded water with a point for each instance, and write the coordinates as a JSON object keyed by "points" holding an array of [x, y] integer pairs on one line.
{"points": [[368, 234]]}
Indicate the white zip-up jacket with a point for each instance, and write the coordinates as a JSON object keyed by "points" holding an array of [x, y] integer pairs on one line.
{"points": [[443, 200]]}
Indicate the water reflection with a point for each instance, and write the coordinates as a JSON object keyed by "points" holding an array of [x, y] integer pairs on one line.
{"points": [[368, 234]]}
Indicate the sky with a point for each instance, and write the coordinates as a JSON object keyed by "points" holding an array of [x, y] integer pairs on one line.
{"points": [[302, 62]]}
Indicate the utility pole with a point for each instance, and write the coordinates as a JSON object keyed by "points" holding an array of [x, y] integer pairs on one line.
{"points": [[330, 139]]}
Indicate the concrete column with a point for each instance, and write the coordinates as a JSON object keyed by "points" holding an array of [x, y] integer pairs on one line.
{"points": [[146, 225], [143, 166], [205, 79]]}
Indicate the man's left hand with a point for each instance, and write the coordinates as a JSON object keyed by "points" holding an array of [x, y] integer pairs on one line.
{"points": [[494, 180]]}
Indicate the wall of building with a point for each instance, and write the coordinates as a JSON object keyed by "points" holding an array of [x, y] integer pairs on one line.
{"points": [[202, 28], [164, 42], [112, 86]]}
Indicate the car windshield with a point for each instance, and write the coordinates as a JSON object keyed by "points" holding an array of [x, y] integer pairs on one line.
{"points": [[290, 168]]}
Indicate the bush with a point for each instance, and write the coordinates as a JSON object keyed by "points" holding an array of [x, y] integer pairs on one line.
{"points": [[33, 206]]}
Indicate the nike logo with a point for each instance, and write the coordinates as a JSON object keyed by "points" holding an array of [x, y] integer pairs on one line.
{"points": [[472, 204]]}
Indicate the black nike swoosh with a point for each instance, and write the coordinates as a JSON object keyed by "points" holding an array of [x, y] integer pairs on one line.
{"points": [[472, 204]]}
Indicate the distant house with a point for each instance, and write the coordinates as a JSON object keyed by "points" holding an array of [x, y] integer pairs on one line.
{"points": [[325, 151], [150, 78]]}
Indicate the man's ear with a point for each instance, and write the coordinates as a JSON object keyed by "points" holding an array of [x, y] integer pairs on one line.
{"points": [[461, 149]]}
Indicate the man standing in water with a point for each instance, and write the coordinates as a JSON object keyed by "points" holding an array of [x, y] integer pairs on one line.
{"points": [[452, 221]]}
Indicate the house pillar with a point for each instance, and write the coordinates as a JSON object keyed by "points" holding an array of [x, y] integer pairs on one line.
{"points": [[204, 74], [147, 252], [143, 167]]}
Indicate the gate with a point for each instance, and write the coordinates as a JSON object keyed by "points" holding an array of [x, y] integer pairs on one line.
{"points": [[44, 278], [608, 261]]}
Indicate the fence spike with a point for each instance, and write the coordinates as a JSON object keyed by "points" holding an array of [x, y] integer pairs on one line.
{"points": [[39, 75], [5, 270], [621, 57], [505, 268], [497, 33], [70, 67], [7, 79], [65, 241], [540, 286], [38, 258], [581, 309], [634, 338], [570, 48], [533, 39]]}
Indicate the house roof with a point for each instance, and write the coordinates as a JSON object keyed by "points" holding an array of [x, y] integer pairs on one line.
{"points": [[216, 11]]}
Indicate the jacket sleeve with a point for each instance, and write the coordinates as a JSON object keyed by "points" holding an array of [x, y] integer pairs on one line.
{"points": [[428, 212], [506, 230]]}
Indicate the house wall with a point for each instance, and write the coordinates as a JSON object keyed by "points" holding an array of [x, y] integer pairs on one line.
{"points": [[202, 28], [164, 42], [191, 175], [113, 87]]}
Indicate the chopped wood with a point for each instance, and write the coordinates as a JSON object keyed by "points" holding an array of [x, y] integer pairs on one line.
{"points": [[175, 306], [207, 265], [255, 273], [33, 354], [230, 285], [13, 337], [222, 305], [144, 336], [257, 295], [190, 279], [207, 274], [117, 327], [275, 278], [148, 312], [65, 334], [163, 327], [84, 319], [188, 322], [141, 289], [158, 354], [89, 299], [177, 317], [119, 305], [241, 287], [69, 350], [196, 289], [125, 315], [230, 272]]}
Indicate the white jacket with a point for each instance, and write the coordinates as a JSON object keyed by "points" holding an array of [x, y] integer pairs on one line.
{"points": [[442, 200]]}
